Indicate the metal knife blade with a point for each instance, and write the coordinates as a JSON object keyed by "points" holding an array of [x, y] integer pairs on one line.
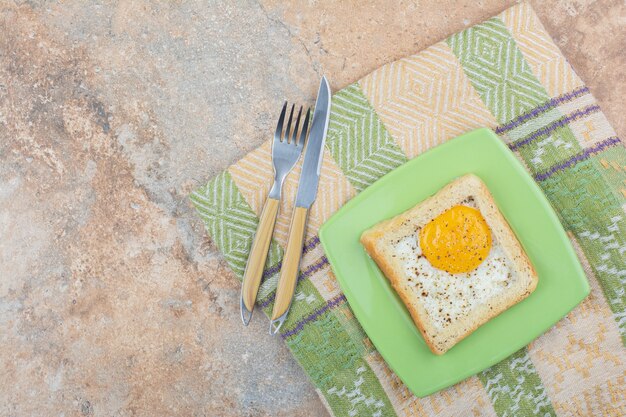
{"points": [[314, 152]]}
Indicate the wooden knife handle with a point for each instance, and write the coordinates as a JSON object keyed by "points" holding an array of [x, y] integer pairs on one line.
{"points": [[291, 263], [258, 253]]}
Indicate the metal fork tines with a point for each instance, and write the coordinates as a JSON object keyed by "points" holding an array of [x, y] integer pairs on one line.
{"points": [[286, 150]]}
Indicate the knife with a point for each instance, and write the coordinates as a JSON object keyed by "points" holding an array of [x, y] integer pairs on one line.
{"points": [[307, 191]]}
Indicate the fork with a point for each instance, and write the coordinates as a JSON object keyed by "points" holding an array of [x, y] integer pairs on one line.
{"points": [[286, 151]]}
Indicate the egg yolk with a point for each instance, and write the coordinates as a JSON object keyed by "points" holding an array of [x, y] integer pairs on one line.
{"points": [[456, 241]]}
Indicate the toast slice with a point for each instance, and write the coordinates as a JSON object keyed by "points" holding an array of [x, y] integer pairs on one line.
{"points": [[446, 307]]}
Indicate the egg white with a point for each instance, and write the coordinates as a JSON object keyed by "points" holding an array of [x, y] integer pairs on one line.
{"points": [[447, 297]]}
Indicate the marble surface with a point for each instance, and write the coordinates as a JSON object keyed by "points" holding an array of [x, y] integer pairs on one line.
{"points": [[113, 302]]}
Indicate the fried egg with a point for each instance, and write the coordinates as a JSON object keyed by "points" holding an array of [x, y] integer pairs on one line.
{"points": [[454, 263], [457, 240]]}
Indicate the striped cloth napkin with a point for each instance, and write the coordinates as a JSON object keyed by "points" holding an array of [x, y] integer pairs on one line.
{"points": [[506, 74]]}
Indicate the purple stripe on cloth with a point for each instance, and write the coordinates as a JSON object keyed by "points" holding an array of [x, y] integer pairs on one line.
{"points": [[311, 244], [308, 247], [311, 317], [555, 125], [541, 109], [271, 271], [313, 268], [607, 143]]}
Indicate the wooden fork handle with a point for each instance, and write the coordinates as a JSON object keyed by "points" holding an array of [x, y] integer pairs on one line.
{"points": [[291, 263], [258, 254]]}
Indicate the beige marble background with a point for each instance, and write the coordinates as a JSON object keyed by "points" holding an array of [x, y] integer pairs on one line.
{"points": [[113, 302]]}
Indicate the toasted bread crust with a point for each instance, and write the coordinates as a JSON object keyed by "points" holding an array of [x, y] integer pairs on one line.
{"points": [[369, 242], [375, 239]]}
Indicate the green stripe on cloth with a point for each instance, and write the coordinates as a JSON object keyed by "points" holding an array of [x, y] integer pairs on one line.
{"points": [[591, 210], [301, 308], [334, 361], [358, 140], [515, 388], [497, 69], [583, 196], [549, 148], [612, 165], [230, 221], [505, 82]]}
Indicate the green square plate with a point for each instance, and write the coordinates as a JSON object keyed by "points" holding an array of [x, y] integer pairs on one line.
{"points": [[562, 282]]}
